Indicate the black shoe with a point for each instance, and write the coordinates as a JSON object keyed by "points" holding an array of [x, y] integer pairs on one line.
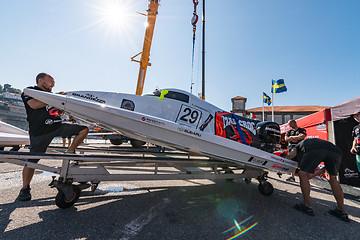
{"points": [[305, 209], [339, 214], [291, 179], [24, 194]]}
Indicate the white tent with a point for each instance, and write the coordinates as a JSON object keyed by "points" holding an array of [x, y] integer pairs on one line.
{"points": [[345, 109]]}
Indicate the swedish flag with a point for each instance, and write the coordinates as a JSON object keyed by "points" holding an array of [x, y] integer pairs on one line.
{"points": [[278, 86], [267, 99]]}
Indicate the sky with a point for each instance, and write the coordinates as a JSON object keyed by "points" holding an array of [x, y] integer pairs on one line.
{"points": [[312, 44]]}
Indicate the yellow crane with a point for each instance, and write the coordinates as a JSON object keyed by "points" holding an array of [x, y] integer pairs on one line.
{"points": [[145, 54]]}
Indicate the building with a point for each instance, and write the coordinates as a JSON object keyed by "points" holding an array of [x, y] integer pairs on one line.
{"points": [[238, 106], [11, 96], [282, 114], [12, 110]]}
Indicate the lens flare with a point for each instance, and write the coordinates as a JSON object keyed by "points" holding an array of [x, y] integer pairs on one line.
{"points": [[243, 232], [238, 226]]}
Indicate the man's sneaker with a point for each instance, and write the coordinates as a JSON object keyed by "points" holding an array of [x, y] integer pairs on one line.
{"points": [[339, 214], [70, 152], [291, 179], [305, 209], [24, 194]]}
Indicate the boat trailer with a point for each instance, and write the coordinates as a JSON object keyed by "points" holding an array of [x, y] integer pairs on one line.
{"points": [[79, 171]]}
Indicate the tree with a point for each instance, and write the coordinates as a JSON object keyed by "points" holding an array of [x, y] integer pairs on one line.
{"points": [[7, 87], [1, 87], [11, 90]]}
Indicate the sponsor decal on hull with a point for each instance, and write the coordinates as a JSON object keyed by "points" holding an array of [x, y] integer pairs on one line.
{"points": [[279, 167], [277, 158], [234, 127], [206, 123], [152, 121], [190, 132], [89, 96], [257, 161], [127, 104]]}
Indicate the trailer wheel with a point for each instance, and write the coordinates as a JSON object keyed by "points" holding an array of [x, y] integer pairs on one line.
{"points": [[136, 143], [116, 141], [61, 201], [266, 188], [229, 171]]}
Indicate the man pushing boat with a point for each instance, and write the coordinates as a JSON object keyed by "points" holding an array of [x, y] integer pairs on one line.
{"points": [[45, 123]]}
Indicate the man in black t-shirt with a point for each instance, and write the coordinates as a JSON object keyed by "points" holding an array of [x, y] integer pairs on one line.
{"points": [[45, 123], [355, 148], [311, 152], [293, 137]]}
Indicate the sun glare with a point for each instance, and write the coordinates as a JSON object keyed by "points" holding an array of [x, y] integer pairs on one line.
{"points": [[116, 14], [115, 19]]}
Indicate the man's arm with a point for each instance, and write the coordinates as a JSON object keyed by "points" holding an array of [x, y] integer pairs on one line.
{"points": [[292, 154], [353, 148], [287, 137], [36, 104], [299, 137]]}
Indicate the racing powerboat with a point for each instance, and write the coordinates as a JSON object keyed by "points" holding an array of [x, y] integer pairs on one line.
{"points": [[177, 119], [229, 146]]}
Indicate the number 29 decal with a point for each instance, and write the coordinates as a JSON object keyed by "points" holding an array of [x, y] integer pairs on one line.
{"points": [[189, 116]]}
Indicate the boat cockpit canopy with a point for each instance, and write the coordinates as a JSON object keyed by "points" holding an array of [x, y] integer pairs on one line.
{"points": [[172, 95]]}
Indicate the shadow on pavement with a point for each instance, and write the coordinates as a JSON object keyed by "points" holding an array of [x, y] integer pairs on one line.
{"points": [[191, 212]]}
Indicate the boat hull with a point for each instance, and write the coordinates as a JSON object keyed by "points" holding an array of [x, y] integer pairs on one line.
{"points": [[9, 140], [166, 133], [12, 136]]}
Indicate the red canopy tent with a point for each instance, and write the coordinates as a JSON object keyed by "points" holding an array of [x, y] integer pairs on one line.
{"points": [[315, 124], [335, 124]]}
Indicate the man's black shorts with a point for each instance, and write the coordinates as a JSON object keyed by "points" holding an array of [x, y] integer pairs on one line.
{"points": [[40, 143], [311, 159]]}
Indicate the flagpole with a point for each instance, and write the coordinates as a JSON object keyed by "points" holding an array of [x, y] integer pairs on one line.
{"points": [[272, 110], [272, 97], [263, 115]]}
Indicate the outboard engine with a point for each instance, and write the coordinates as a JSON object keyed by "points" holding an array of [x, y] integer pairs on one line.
{"points": [[268, 134]]}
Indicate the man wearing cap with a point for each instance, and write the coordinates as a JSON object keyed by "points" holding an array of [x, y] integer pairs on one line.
{"points": [[355, 149]]}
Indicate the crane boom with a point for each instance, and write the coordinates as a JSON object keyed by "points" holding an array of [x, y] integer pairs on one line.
{"points": [[145, 54]]}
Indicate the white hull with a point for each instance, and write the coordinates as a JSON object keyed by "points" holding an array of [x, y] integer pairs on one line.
{"points": [[166, 133], [12, 136], [9, 140]]}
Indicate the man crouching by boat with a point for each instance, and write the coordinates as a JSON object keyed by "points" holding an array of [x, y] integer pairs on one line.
{"points": [[310, 153], [45, 123]]}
